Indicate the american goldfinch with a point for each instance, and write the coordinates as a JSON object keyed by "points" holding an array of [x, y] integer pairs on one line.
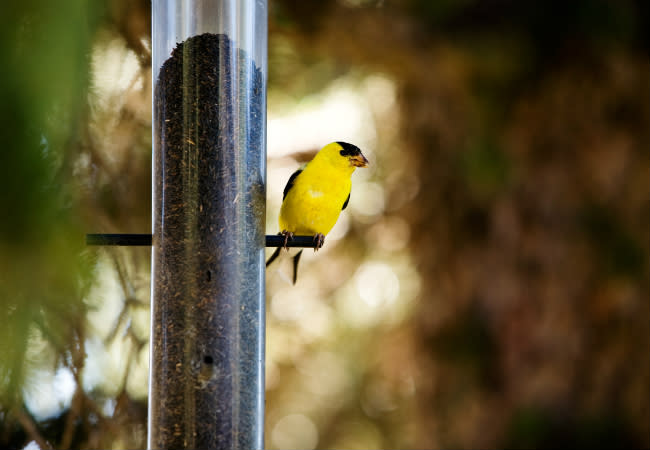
{"points": [[316, 194]]}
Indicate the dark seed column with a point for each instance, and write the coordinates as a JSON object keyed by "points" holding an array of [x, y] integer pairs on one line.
{"points": [[206, 386]]}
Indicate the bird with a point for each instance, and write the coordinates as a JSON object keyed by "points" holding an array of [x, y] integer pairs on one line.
{"points": [[316, 194]]}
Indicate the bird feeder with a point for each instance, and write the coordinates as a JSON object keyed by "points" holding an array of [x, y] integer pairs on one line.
{"points": [[206, 385], [206, 374]]}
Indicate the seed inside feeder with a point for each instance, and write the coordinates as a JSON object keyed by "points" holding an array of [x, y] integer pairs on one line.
{"points": [[209, 102]]}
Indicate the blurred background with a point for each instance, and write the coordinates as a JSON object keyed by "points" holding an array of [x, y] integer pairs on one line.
{"points": [[487, 287]]}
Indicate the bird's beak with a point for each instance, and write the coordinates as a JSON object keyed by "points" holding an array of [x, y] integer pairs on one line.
{"points": [[358, 160]]}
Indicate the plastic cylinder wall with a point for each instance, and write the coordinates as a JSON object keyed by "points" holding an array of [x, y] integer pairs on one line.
{"points": [[206, 384]]}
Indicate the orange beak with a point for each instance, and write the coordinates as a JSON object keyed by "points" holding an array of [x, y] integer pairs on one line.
{"points": [[358, 160]]}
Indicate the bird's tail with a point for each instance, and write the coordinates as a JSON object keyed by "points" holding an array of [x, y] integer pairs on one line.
{"points": [[296, 260], [273, 257]]}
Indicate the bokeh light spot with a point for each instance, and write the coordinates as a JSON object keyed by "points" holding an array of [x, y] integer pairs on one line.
{"points": [[295, 431], [377, 284]]}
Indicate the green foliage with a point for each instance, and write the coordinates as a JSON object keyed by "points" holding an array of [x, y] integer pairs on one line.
{"points": [[485, 168], [537, 428], [617, 250], [43, 47], [469, 343]]}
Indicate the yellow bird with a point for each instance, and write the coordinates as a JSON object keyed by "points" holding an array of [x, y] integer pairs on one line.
{"points": [[316, 194]]}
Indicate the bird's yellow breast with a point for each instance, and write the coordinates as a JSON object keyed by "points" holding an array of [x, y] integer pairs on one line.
{"points": [[314, 202]]}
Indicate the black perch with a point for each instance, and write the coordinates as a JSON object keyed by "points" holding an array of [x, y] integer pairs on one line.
{"points": [[272, 240], [119, 239]]}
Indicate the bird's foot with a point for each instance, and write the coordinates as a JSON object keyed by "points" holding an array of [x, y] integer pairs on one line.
{"points": [[319, 240], [288, 235]]}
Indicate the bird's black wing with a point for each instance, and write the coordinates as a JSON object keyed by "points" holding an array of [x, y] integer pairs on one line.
{"points": [[347, 200], [289, 185]]}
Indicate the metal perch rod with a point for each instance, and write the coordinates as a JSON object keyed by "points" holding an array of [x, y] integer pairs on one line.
{"points": [[145, 240]]}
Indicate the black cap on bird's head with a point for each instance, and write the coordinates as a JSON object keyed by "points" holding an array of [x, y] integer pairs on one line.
{"points": [[353, 153]]}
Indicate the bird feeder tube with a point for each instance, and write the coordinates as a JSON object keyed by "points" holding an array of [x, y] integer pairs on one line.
{"points": [[206, 384]]}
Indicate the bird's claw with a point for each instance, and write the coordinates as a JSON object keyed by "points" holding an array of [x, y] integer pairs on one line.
{"points": [[288, 235], [319, 240]]}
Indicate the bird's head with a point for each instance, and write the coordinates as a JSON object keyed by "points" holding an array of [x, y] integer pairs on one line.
{"points": [[344, 155], [353, 154]]}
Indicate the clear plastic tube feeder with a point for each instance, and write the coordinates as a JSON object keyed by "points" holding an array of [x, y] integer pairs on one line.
{"points": [[206, 386]]}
